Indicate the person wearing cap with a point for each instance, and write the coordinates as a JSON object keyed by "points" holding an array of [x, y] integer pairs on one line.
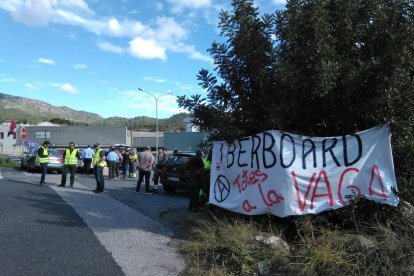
{"points": [[87, 159], [99, 164], [42, 157], [71, 157], [145, 162]]}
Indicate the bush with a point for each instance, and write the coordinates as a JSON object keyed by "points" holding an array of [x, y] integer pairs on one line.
{"points": [[363, 238], [4, 162]]}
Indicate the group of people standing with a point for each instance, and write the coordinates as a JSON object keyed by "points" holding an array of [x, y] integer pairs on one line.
{"points": [[144, 162], [98, 158]]}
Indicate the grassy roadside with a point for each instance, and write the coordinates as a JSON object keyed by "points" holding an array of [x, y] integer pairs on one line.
{"points": [[364, 238], [6, 163]]}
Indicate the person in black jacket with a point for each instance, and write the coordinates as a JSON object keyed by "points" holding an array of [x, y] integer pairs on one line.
{"points": [[195, 169]]}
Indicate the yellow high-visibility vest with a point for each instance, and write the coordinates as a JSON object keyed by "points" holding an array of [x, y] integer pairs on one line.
{"points": [[207, 164], [96, 157], [43, 159], [70, 158]]}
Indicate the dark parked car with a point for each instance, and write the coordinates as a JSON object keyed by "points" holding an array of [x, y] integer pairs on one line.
{"points": [[175, 174], [55, 163]]}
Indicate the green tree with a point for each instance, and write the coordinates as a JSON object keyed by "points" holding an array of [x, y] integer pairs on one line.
{"points": [[322, 67], [243, 93], [348, 66]]}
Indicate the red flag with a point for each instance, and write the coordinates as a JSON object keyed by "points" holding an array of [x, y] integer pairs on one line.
{"points": [[12, 127]]}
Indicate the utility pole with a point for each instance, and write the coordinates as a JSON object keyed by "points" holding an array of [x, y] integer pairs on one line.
{"points": [[156, 98]]}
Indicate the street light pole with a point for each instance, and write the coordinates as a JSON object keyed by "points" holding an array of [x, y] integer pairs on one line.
{"points": [[156, 98]]}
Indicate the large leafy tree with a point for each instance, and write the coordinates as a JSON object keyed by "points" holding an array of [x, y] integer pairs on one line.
{"points": [[240, 95], [322, 67]]}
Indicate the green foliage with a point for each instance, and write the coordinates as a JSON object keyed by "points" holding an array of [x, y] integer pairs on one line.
{"points": [[316, 68], [347, 66], [4, 162], [19, 116], [174, 123], [61, 121], [245, 64]]}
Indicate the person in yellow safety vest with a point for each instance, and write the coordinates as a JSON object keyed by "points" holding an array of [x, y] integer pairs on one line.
{"points": [[42, 157], [205, 188], [99, 164], [133, 157], [71, 157]]}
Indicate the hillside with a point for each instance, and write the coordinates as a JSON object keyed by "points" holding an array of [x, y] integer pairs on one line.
{"points": [[173, 123], [28, 111], [25, 110]]}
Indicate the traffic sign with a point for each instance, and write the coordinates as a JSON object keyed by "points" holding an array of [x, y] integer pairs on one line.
{"points": [[23, 133]]}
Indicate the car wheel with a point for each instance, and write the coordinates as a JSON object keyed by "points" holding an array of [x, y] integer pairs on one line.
{"points": [[168, 189], [30, 166]]}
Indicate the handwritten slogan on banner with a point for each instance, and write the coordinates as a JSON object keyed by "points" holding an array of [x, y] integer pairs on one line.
{"points": [[287, 174]]}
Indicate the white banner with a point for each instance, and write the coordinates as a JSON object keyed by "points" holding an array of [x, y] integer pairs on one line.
{"points": [[287, 174]]}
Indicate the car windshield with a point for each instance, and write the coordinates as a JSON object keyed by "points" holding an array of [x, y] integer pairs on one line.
{"points": [[55, 153], [179, 160]]}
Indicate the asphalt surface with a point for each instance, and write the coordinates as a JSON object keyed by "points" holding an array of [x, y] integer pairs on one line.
{"points": [[72, 231]]}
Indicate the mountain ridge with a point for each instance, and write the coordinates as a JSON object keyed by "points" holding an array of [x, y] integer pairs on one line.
{"points": [[26, 110]]}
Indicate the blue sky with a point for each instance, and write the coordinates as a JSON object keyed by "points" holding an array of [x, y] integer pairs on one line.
{"points": [[92, 55]]}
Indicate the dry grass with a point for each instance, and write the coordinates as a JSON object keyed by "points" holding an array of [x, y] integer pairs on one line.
{"points": [[365, 238]]}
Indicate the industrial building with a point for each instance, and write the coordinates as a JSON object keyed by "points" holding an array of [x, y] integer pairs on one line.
{"points": [[29, 136]]}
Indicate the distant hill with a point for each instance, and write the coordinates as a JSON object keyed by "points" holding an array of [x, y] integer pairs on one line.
{"points": [[24, 110], [33, 111], [174, 123]]}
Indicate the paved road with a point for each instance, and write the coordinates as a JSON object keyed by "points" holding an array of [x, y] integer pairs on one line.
{"points": [[72, 231]]}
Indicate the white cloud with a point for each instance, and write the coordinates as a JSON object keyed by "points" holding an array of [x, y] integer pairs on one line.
{"points": [[108, 47], [126, 28], [41, 12], [179, 5], [69, 88], [7, 80], [279, 2], [75, 4], [114, 27], [46, 61], [169, 30], [80, 66], [147, 41], [146, 49], [154, 79], [30, 86]]}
